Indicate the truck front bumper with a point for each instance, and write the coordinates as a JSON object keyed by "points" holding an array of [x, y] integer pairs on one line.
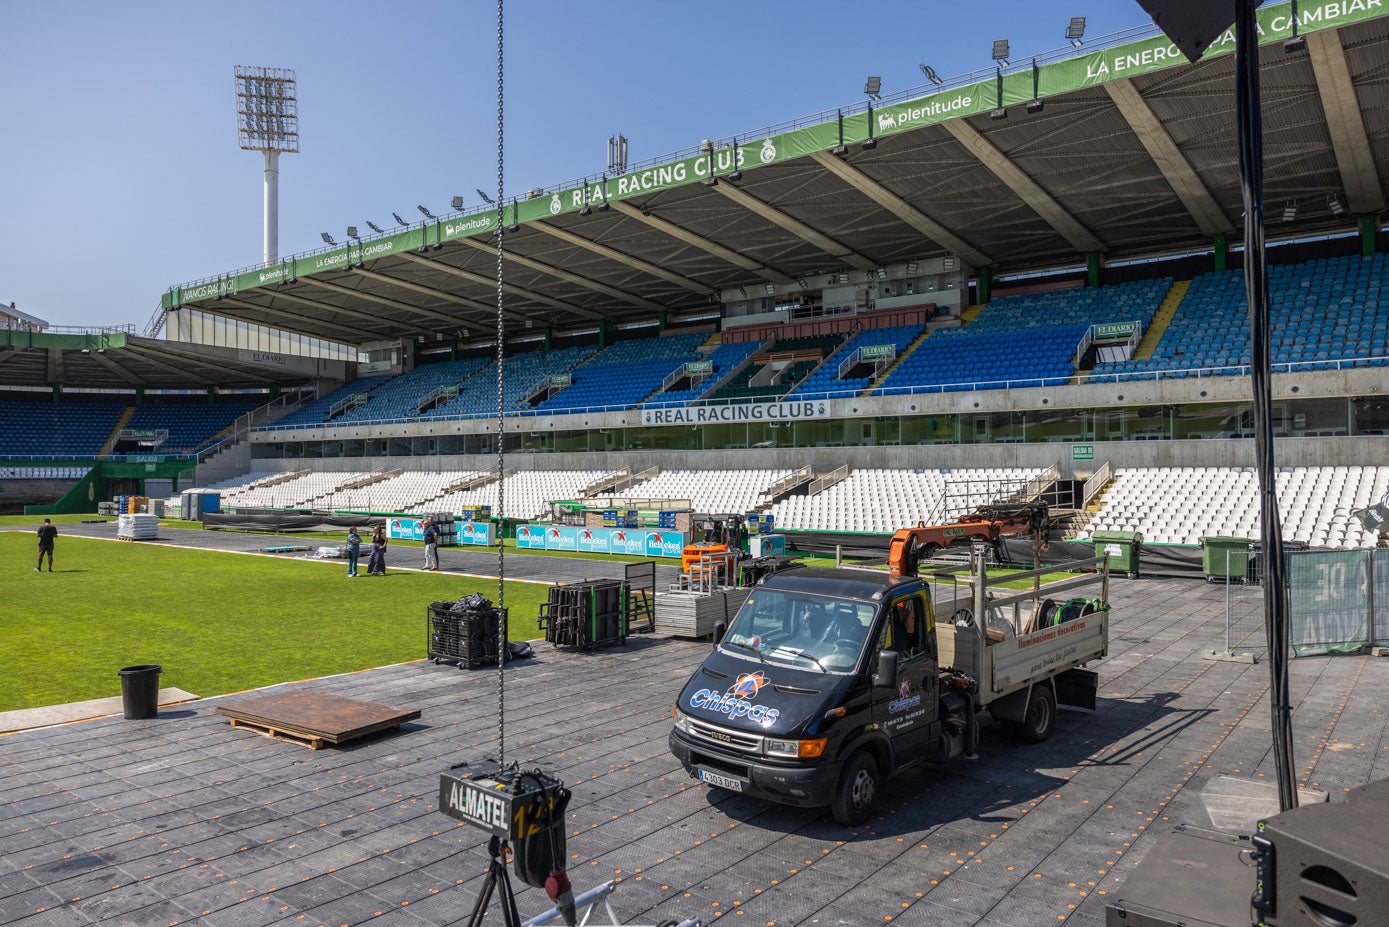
{"points": [[787, 783]]}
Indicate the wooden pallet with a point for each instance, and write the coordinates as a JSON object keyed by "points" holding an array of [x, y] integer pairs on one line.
{"points": [[314, 719]]}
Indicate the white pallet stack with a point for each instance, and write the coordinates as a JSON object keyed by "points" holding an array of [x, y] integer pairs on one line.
{"points": [[137, 527]]}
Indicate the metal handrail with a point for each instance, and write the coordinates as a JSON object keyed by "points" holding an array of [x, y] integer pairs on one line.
{"points": [[934, 388], [1096, 483]]}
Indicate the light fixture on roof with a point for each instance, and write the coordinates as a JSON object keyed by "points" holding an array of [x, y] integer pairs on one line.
{"points": [[1000, 111], [911, 267], [743, 292], [770, 289], [374, 227], [399, 221], [882, 273], [948, 262], [735, 174], [457, 204], [1000, 51], [426, 212], [1075, 32], [802, 283], [873, 87], [1297, 42], [1333, 202], [930, 74], [843, 277], [352, 232], [484, 197], [327, 239], [1034, 105], [1290, 211]]}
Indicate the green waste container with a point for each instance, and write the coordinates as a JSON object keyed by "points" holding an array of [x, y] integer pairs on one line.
{"points": [[1122, 547], [1217, 551]]}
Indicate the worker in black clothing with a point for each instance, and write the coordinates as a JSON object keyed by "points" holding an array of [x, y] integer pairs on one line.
{"points": [[46, 535]]}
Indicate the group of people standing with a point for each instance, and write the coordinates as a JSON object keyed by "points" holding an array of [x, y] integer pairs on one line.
{"points": [[376, 559]]}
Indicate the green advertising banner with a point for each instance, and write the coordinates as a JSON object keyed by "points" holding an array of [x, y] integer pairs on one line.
{"points": [[1131, 59], [1115, 331], [871, 352], [694, 368], [1082, 452]]}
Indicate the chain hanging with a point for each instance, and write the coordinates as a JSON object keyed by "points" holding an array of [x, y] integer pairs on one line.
{"points": [[501, 410]]}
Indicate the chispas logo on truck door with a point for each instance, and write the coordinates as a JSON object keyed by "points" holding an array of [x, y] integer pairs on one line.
{"points": [[737, 701]]}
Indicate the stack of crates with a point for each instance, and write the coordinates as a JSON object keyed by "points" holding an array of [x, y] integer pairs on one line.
{"points": [[586, 615], [448, 529], [463, 635]]}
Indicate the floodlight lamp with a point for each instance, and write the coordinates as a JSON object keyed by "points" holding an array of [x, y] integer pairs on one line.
{"points": [[457, 203], [911, 268], [843, 277], [736, 175], [802, 283], [1034, 107], [1290, 211], [1333, 203], [427, 214], [352, 232], [948, 262], [399, 221], [743, 292], [869, 144], [882, 273], [930, 74], [1076, 31], [770, 289], [586, 211], [327, 239], [485, 198], [1000, 51], [374, 227], [1295, 44], [839, 150], [1000, 113], [873, 87]]}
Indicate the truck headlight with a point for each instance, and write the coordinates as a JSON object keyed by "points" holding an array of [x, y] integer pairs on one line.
{"points": [[682, 720], [801, 749]]}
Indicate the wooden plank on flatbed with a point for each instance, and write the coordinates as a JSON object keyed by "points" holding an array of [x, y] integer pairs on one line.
{"points": [[318, 716]]}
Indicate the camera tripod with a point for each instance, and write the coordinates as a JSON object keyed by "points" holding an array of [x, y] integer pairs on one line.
{"points": [[498, 880]]}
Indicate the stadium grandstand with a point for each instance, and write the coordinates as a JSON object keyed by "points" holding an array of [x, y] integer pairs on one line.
{"points": [[889, 314]]}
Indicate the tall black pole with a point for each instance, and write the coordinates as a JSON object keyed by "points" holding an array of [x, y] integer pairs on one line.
{"points": [[1249, 124]]}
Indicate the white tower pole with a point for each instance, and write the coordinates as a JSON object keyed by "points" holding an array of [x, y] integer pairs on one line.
{"points": [[272, 206]]}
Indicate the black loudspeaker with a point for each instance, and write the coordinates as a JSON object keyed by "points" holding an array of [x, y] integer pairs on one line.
{"points": [[1326, 865], [1191, 878], [1191, 24]]}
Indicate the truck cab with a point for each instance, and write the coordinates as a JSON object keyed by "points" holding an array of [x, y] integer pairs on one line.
{"points": [[826, 683]]}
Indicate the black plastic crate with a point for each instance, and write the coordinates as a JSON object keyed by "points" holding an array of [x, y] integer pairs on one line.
{"points": [[586, 615], [463, 638]]}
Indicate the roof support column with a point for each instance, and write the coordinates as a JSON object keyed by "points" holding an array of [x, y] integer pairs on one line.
{"points": [[603, 334], [1368, 226], [549, 337], [1092, 269], [139, 395], [1222, 252], [986, 279], [57, 392]]}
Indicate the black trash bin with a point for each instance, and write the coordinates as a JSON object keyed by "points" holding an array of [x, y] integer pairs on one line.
{"points": [[140, 691]]}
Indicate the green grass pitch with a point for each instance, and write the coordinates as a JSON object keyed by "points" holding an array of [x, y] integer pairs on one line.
{"points": [[216, 622]]}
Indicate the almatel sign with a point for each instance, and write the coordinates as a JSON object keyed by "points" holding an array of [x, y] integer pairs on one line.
{"points": [[1143, 56]]}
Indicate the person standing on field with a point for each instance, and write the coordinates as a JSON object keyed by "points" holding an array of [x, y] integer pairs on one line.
{"points": [[431, 545], [354, 550], [46, 535], [376, 563]]}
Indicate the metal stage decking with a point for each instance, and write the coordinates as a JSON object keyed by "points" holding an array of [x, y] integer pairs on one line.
{"points": [[182, 819]]}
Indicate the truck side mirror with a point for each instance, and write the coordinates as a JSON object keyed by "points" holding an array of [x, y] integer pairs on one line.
{"points": [[886, 674]]}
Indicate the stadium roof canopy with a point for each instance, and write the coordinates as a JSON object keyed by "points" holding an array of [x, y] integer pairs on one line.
{"points": [[1127, 150], [119, 360]]}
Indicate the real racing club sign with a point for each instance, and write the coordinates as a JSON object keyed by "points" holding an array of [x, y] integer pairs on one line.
{"points": [[741, 412]]}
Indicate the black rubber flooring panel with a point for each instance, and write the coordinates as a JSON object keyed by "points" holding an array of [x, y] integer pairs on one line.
{"points": [[182, 819], [451, 559]]}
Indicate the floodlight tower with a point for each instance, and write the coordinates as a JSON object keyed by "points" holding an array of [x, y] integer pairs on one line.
{"points": [[267, 120]]}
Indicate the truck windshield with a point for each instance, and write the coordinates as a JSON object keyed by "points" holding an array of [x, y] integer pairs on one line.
{"points": [[816, 632]]}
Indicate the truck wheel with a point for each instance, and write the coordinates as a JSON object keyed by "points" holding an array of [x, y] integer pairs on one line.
{"points": [[1041, 715], [856, 791]]}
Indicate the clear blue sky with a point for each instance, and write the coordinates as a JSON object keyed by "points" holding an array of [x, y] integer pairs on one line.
{"points": [[120, 173]]}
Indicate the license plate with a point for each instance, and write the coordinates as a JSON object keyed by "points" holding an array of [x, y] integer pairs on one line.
{"points": [[723, 782]]}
